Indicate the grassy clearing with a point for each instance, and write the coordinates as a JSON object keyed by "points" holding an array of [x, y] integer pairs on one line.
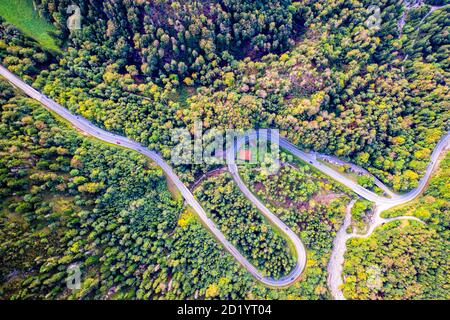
{"points": [[349, 175], [176, 194], [21, 14], [295, 160]]}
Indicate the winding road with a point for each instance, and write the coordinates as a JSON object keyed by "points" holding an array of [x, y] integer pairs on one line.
{"points": [[381, 203], [335, 266], [89, 128]]}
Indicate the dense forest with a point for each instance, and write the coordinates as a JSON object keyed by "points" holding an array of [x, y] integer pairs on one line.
{"points": [[313, 69], [70, 201], [241, 222], [186, 40], [378, 97]]}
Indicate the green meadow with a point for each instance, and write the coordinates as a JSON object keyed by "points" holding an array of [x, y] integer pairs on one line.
{"points": [[21, 14]]}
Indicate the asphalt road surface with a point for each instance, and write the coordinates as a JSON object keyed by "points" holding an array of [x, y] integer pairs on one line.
{"points": [[87, 127]]}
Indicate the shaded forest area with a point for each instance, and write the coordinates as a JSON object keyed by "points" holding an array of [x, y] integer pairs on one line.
{"points": [[377, 97]]}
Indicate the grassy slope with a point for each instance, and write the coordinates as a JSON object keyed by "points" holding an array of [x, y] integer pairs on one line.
{"points": [[21, 14]]}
